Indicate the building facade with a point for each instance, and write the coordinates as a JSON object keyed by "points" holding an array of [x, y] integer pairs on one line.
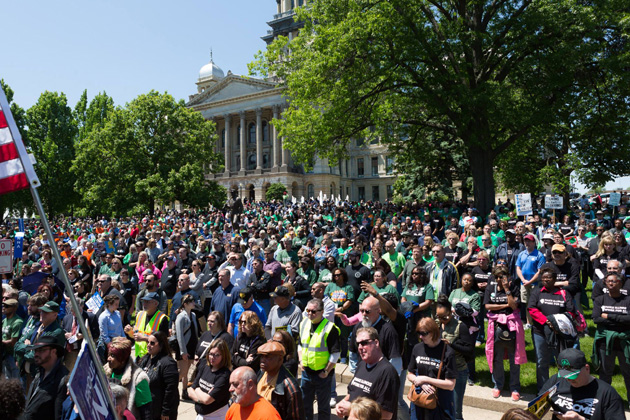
{"points": [[243, 109]]}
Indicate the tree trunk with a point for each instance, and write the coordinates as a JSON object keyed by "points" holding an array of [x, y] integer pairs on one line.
{"points": [[481, 164]]}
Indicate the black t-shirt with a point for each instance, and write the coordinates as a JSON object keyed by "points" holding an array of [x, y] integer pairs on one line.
{"points": [[569, 271], [618, 310], [356, 275], [495, 296], [453, 255], [216, 384], [207, 338], [602, 261], [549, 304], [599, 288], [379, 383], [169, 281], [425, 361], [596, 401], [388, 339], [482, 277]]}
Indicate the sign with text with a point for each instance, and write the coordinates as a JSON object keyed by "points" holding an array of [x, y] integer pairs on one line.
{"points": [[614, 199], [6, 256], [95, 302], [555, 202], [86, 390], [19, 245], [523, 204]]}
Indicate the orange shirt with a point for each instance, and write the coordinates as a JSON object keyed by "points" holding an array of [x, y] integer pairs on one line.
{"points": [[88, 254], [260, 410]]}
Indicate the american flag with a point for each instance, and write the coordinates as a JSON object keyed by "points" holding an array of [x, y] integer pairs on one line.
{"points": [[16, 169]]}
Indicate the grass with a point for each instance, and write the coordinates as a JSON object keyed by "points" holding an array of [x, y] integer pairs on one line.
{"points": [[528, 370]]}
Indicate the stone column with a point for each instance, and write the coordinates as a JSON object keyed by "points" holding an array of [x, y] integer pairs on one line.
{"points": [[243, 143], [285, 156], [259, 147], [276, 140], [228, 147]]}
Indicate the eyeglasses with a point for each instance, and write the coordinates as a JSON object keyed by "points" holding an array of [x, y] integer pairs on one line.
{"points": [[213, 355], [152, 343], [423, 333], [364, 342], [444, 317], [365, 311], [312, 311]]}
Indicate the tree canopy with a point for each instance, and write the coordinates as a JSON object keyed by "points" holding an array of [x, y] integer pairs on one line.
{"points": [[153, 150], [488, 74]]}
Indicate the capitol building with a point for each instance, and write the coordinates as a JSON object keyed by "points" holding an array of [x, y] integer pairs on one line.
{"points": [[243, 109]]}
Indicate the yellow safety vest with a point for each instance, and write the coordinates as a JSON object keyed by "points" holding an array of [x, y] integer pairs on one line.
{"points": [[315, 354], [147, 328]]}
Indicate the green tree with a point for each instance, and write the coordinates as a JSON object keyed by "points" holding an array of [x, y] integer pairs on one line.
{"points": [[96, 114], [485, 73], [153, 150], [275, 191], [51, 133], [16, 202]]}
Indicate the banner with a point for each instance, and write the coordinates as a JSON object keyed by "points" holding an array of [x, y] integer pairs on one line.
{"points": [[87, 393], [614, 199], [554, 202], [21, 224], [540, 405], [18, 246], [523, 204]]}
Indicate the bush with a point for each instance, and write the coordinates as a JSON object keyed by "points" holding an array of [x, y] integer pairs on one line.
{"points": [[275, 192]]}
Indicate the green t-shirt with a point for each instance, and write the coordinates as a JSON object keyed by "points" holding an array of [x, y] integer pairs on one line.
{"points": [[143, 392], [11, 328], [396, 262], [325, 276], [285, 256], [309, 275], [419, 294], [381, 291], [472, 298], [339, 295]]}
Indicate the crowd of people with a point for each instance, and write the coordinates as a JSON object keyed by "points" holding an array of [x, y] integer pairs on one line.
{"points": [[246, 314]]}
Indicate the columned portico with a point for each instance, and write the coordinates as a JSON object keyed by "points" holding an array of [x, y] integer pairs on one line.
{"points": [[276, 140], [228, 147], [243, 143], [259, 140]]}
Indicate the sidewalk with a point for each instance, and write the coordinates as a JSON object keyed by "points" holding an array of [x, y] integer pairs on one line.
{"points": [[478, 401]]}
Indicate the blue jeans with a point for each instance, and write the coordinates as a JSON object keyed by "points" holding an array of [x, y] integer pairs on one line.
{"points": [[354, 361], [498, 372], [460, 388], [444, 410], [314, 385], [9, 367], [543, 357]]}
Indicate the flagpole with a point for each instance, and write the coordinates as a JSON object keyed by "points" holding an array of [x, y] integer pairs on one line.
{"points": [[78, 312], [33, 184]]}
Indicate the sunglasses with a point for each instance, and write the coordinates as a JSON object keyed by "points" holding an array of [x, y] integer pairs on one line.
{"points": [[364, 342], [312, 311], [423, 333], [365, 311]]}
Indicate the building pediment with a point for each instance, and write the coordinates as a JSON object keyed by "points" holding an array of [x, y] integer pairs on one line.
{"points": [[231, 87]]}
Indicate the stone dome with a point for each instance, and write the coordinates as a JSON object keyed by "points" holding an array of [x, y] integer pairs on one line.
{"points": [[211, 70]]}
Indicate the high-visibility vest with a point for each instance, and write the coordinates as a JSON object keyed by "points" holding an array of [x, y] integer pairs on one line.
{"points": [[147, 328], [315, 352]]}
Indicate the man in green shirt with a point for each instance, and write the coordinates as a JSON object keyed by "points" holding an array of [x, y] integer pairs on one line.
{"points": [[11, 328], [395, 260]]}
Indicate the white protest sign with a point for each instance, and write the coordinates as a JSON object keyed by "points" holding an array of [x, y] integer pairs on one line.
{"points": [[523, 204], [614, 199], [95, 302], [554, 202], [6, 256]]}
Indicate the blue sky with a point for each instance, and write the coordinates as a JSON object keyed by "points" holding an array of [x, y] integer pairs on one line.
{"points": [[127, 48]]}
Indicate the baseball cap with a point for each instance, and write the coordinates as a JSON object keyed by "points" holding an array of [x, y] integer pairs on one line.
{"points": [[354, 254], [558, 247], [46, 341], [548, 236], [511, 231], [170, 258], [271, 347], [244, 295], [50, 306], [280, 291], [151, 296], [570, 363], [11, 302], [529, 237]]}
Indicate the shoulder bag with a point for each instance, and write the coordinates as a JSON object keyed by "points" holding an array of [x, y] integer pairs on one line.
{"points": [[421, 398]]}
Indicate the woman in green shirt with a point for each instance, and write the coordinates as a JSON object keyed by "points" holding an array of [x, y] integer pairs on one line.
{"points": [[342, 294], [380, 285], [418, 290], [325, 274]]}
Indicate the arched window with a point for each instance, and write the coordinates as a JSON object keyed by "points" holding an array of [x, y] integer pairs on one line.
{"points": [[310, 191], [251, 161], [252, 133], [238, 136], [223, 138], [265, 133]]}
